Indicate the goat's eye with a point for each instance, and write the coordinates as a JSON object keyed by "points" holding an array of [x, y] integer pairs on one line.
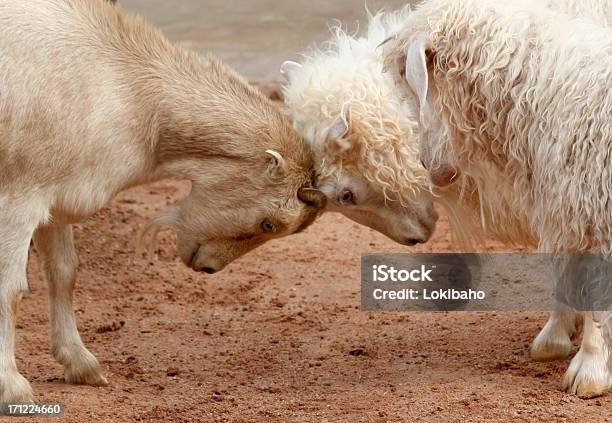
{"points": [[268, 227], [347, 198]]}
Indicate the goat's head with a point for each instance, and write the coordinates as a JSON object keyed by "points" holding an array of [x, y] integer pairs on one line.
{"points": [[253, 185], [366, 155]]}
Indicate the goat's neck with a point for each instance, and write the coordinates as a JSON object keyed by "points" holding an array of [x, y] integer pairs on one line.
{"points": [[201, 114]]}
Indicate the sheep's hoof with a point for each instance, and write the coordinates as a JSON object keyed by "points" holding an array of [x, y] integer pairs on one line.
{"points": [[587, 375], [550, 345], [14, 388]]}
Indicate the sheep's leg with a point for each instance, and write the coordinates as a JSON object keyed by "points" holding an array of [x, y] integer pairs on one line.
{"points": [[588, 374], [14, 245], [555, 340], [55, 246]]}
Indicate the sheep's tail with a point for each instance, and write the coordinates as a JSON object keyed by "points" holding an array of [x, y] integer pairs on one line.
{"points": [[147, 237]]}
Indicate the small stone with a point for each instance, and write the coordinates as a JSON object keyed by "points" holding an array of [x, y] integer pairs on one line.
{"points": [[172, 371], [358, 352]]}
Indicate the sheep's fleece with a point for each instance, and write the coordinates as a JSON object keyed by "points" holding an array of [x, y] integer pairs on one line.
{"points": [[518, 97]]}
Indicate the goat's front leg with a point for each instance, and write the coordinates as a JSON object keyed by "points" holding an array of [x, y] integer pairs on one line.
{"points": [[55, 246], [15, 236], [555, 340], [588, 374]]}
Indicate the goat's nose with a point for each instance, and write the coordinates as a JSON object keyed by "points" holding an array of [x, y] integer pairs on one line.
{"points": [[209, 270], [411, 242]]}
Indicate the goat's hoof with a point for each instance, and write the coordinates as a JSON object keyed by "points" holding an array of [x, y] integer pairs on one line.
{"points": [[551, 346], [84, 369], [92, 375], [587, 376], [14, 388], [91, 378]]}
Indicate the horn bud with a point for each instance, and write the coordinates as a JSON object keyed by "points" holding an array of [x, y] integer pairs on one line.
{"points": [[312, 197]]}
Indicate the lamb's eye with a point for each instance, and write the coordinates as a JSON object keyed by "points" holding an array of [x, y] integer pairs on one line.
{"points": [[268, 227], [347, 198]]}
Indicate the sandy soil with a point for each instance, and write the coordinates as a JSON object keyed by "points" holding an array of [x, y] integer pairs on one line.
{"points": [[279, 337], [254, 36]]}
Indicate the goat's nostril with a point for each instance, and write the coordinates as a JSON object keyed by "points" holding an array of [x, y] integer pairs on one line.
{"points": [[208, 270]]}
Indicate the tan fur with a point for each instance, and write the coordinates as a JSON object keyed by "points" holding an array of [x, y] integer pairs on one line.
{"points": [[91, 103]]}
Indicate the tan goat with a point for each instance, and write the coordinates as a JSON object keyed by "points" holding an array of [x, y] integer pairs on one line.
{"points": [[92, 103]]}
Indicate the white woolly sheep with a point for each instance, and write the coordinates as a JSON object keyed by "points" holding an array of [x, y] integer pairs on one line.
{"points": [[382, 129], [92, 103], [518, 97]]}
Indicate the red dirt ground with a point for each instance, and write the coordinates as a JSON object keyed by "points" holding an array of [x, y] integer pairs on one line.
{"points": [[279, 337]]}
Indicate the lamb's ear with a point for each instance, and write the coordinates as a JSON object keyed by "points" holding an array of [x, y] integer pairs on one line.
{"points": [[277, 165], [338, 130], [288, 69], [416, 74]]}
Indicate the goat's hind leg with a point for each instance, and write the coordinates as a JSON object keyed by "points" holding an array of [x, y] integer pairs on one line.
{"points": [[55, 246], [15, 236]]}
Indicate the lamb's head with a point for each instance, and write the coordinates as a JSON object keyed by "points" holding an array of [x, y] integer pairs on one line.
{"points": [[365, 147], [252, 183]]}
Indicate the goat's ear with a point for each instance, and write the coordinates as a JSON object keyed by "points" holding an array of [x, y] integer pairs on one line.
{"points": [[277, 165], [338, 130], [417, 74], [288, 69]]}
